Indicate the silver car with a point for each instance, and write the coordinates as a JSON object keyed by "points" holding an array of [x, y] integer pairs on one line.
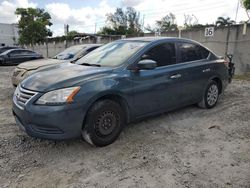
{"points": [[70, 54]]}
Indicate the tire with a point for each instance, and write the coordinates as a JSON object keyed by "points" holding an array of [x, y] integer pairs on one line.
{"points": [[104, 123], [211, 95]]}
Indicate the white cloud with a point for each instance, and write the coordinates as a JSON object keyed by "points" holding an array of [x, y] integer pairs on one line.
{"points": [[130, 3], [82, 19], [7, 9]]}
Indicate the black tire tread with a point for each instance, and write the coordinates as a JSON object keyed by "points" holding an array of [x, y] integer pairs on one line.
{"points": [[88, 132]]}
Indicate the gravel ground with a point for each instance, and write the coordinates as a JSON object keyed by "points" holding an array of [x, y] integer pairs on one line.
{"points": [[190, 147]]}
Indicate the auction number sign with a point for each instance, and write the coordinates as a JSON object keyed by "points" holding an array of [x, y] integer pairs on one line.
{"points": [[209, 31]]}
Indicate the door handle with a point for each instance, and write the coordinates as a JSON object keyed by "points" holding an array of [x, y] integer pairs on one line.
{"points": [[175, 76], [206, 70]]}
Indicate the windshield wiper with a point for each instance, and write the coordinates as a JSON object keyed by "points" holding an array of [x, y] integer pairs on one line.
{"points": [[94, 65]]}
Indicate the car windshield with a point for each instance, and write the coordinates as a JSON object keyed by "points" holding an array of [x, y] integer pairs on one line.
{"points": [[69, 53], [2, 50], [112, 54]]}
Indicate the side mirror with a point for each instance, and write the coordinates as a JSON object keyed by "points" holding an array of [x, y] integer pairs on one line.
{"points": [[146, 64]]}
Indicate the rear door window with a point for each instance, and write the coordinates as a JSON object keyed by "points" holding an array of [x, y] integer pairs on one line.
{"points": [[192, 52], [15, 53], [163, 54], [30, 53]]}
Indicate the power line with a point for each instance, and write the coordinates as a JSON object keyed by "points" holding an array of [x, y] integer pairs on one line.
{"points": [[204, 9], [156, 11], [194, 9]]}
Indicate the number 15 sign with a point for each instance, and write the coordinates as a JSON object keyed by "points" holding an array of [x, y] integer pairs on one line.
{"points": [[209, 31]]}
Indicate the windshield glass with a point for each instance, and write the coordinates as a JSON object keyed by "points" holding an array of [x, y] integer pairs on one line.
{"points": [[112, 54], [69, 53]]}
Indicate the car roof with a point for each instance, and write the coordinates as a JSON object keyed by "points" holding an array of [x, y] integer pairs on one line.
{"points": [[154, 39], [16, 49], [88, 45]]}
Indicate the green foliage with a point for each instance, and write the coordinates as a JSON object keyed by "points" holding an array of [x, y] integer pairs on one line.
{"points": [[167, 23], [33, 25], [221, 21], [71, 35], [191, 22], [106, 30], [123, 22], [246, 4]]}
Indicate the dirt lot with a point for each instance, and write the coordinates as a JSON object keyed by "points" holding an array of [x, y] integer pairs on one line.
{"points": [[190, 147]]}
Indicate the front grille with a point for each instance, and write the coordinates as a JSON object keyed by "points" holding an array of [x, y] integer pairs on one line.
{"points": [[22, 96]]}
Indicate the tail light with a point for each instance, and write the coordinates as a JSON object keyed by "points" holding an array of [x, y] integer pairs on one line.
{"points": [[226, 63]]}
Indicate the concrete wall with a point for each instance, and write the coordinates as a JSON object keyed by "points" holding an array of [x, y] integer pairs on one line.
{"points": [[238, 44], [53, 48], [8, 32]]}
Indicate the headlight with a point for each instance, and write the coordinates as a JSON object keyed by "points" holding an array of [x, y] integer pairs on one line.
{"points": [[59, 96]]}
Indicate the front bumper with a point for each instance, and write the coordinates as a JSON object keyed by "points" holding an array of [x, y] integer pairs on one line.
{"points": [[49, 122]]}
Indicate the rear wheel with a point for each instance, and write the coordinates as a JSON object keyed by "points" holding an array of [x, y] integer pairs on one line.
{"points": [[104, 123], [211, 95]]}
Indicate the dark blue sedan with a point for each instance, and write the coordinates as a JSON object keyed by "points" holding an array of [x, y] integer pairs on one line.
{"points": [[118, 83]]}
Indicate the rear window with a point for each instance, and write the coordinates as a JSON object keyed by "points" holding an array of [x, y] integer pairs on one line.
{"points": [[192, 52]]}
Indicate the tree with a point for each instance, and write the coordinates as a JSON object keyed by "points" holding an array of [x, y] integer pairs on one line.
{"points": [[221, 21], [72, 34], [166, 23], [123, 22], [33, 25], [246, 5], [107, 31], [190, 21]]}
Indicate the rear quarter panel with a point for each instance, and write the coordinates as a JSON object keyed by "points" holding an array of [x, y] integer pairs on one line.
{"points": [[218, 70]]}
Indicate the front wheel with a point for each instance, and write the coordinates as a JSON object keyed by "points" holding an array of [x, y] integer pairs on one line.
{"points": [[211, 95], [104, 123]]}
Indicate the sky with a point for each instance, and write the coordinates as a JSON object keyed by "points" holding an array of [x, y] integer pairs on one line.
{"points": [[90, 15]]}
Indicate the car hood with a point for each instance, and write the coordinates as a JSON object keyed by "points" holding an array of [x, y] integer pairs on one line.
{"points": [[66, 75], [35, 64]]}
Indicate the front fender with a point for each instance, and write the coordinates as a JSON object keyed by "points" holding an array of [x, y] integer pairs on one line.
{"points": [[94, 90]]}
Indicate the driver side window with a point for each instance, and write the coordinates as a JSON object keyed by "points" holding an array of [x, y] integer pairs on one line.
{"points": [[163, 54]]}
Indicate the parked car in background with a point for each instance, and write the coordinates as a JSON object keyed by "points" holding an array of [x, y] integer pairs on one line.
{"points": [[118, 83], [17, 56], [5, 48], [71, 54]]}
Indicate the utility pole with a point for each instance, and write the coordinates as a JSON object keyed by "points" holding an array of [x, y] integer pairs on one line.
{"points": [[143, 18], [47, 47], [237, 10], [66, 32], [95, 28]]}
